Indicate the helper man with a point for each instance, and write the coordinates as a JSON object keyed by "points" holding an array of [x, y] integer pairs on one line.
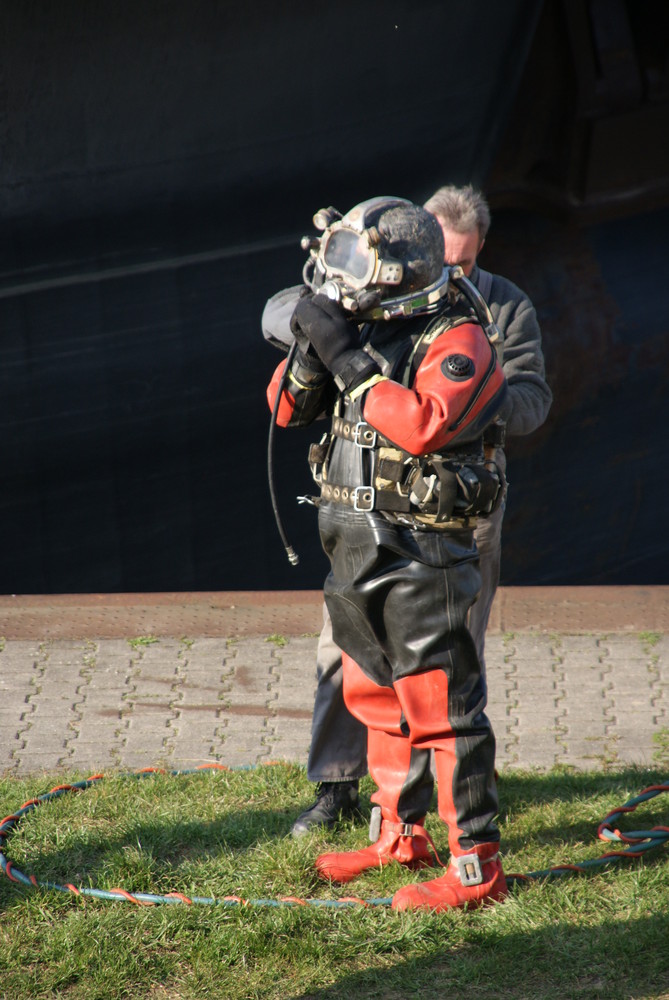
{"points": [[402, 365], [338, 752]]}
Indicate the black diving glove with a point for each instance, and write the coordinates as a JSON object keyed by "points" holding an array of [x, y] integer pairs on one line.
{"points": [[335, 340], [306, 354]]}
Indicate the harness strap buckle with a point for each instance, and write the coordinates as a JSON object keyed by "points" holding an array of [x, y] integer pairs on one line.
{"points": [[360, 433], [363, 495], [364, 435]]}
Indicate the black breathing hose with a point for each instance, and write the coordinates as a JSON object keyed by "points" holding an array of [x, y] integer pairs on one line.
{"points": [[293, 557]]}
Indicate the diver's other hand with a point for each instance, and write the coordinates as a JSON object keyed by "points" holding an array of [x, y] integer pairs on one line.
{"points": [[324, 325], [336, 340]]}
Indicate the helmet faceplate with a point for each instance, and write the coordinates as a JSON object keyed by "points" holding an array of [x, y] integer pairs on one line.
{"points": [[381, 246]]}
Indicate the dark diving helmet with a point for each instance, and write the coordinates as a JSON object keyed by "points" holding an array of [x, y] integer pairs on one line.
{"points": [[383, 259]]}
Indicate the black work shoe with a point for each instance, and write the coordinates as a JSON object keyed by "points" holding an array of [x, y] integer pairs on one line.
{"points": [[334, 799]]}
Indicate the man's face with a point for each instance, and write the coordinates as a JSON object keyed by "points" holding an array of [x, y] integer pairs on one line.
{"points": [[461, 248]]}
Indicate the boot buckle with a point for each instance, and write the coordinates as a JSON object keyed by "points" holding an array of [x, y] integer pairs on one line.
{"points": [[401, 829], [469, 869], [375, 824]]}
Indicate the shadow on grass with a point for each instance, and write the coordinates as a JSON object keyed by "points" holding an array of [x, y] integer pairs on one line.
{"points": [[157, 843], [162, 848], [620, 958]]}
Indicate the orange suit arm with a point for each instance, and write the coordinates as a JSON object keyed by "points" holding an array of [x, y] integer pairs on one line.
{"points": [[438, 406]]}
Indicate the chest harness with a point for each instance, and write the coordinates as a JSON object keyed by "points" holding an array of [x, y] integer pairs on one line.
{"points": [[442, 490], [435, 491]]}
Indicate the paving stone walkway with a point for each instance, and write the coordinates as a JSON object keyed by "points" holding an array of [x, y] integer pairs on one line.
{"points": [[93, 704]]}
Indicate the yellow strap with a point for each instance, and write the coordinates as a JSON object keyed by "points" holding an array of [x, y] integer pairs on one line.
{"points": [[374, 380], [300, 385]]}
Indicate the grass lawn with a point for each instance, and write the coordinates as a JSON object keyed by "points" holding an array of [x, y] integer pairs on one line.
{"points": [[217, 834]]}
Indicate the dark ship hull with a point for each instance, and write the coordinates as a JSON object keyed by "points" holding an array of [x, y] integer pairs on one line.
{"points": [[160, 163]]}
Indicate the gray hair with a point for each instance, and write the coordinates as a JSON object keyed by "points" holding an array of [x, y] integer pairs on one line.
{"points": [[462, 209]]}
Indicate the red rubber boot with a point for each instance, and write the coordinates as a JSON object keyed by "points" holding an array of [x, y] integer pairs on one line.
{"points": [[402, 842], [403, 780], [472, 879]]}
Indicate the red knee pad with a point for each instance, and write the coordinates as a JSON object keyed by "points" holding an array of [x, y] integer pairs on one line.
{"points": [[376, 706], [424, 701]]}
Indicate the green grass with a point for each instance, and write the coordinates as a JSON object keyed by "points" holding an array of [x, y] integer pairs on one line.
{"points": [[661, 740], [277, 639], [142, 640], [215, 834]]}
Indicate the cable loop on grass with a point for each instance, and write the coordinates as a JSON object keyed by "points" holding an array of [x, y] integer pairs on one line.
{"points": [[132, 897], [639, 841]]}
